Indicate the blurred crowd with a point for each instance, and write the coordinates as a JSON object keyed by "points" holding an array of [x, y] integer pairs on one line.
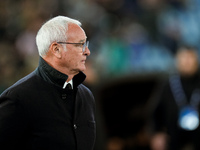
{"points": [[127, 37]]}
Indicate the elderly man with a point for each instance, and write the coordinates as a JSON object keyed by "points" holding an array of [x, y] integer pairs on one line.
{"points": [[50, 109]]}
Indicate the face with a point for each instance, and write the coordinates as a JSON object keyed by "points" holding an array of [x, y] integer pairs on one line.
{"points": [[73, 59], [187, 62]]}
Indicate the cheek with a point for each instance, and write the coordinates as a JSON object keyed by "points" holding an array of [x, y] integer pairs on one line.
{"points": [[71, 60]]}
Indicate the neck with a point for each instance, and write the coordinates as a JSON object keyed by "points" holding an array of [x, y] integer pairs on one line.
{"points": [[70, 77], [54, 63]]}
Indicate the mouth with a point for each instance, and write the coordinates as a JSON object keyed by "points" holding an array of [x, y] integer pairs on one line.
{"points": [[83, 61]]}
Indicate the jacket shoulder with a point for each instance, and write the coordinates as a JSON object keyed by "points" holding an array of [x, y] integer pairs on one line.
{"points": [[85, 90], [22, 84]]}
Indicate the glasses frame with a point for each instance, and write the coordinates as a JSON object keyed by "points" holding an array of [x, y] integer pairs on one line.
{"points": [[85, 44]]}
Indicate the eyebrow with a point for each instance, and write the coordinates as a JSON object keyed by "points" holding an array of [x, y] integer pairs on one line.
{"points": [[83, 40]]}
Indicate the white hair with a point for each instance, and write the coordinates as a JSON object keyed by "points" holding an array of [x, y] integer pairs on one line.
{"points": [[54, 30]]}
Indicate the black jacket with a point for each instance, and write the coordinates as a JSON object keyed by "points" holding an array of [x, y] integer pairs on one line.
{"points": [[36, 113]]}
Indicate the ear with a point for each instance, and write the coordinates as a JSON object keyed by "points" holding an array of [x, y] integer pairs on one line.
{"points": [[56, 50]]}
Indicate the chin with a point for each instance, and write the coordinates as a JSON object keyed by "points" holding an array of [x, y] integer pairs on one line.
{"points": [[82, 69]]}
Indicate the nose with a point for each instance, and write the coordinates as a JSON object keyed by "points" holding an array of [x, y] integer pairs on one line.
{"points": [[87, 51]]}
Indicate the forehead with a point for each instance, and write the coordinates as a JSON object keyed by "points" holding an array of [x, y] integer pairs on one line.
{"points": [[186, 53], [75, 32]]}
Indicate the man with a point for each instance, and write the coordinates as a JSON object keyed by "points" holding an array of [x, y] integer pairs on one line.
{"points": [[39, 112], [177, 113]]}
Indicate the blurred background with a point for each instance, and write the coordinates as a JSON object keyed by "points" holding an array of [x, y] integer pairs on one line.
{"points": [[132, 44]]}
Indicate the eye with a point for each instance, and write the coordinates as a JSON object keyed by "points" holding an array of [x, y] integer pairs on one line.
{"points": [[79, 44]]}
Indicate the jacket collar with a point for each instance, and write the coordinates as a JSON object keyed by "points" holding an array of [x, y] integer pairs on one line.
{"points": [[55, 77]]}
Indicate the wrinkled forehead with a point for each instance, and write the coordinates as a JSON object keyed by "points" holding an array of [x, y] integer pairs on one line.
{"points": [[75, 33]]}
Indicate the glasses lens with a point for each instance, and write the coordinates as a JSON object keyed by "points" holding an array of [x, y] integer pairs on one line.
{"points": [[84, 45], [87, 43]]}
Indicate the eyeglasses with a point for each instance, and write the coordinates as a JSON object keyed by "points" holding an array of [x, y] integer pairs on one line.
{"points": [[79, 44]]}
